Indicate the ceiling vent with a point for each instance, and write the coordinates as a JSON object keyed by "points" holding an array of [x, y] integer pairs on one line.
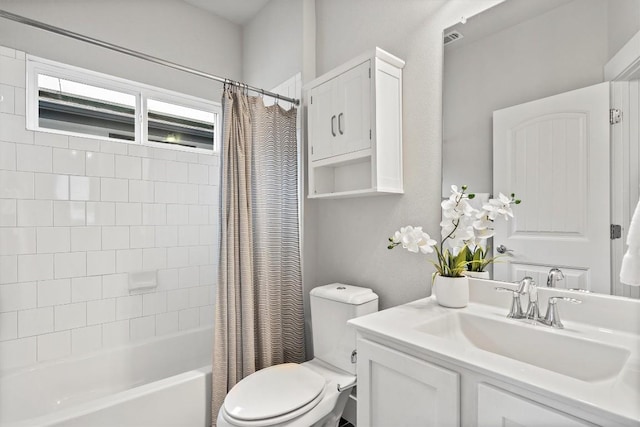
{"points": [[452, 37]]}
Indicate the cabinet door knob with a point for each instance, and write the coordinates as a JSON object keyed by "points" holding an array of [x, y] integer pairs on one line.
{"points": [[340, 123], [333, 125]]}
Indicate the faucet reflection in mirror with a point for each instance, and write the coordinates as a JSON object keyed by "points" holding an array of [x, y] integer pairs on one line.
{"points": [[464, 230]]}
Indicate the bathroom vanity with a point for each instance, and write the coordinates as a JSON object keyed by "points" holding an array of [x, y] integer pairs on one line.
{"points": [[423, 364]]}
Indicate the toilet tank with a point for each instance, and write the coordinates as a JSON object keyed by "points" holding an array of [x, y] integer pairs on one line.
{"points": [[331, 307]]}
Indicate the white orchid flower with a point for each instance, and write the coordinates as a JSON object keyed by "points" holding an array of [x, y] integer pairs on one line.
{"points": [[483, 234], [449, 209], [462, 236], [414, 240], [483, 222], [499, 207]]}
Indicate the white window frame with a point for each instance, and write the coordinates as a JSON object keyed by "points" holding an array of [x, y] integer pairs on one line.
{"points": [[141, 91]]}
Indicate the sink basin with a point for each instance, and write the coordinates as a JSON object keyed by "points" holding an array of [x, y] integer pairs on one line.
{"points": [[580, 358]]}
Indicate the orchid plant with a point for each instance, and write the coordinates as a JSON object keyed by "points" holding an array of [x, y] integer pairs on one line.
{"points": [[465, 230]]}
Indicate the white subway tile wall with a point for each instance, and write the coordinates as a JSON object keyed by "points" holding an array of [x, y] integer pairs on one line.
{"points": [[76, 216]]}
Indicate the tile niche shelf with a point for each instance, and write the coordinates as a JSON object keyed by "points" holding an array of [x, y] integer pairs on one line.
{"points": [[355, 128]]}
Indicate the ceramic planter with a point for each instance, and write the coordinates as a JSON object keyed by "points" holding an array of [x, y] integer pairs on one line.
{"points": [[452, 292]]}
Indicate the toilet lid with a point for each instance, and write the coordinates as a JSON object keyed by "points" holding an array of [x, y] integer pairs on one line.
{"points": [[273, 391]]}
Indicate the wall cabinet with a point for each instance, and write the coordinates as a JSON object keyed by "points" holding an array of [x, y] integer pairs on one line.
{"points": [[355, 128], [399, 389], [339, 117]]}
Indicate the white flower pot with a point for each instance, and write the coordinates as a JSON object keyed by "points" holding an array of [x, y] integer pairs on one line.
{"points": [[452, 292], [478, 274]]}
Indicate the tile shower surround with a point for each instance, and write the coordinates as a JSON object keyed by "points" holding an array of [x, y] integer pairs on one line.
{"points": [[77, 215]]}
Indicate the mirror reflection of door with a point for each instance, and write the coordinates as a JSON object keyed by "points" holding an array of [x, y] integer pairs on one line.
{"points": [[521, 51], [554, 153]]}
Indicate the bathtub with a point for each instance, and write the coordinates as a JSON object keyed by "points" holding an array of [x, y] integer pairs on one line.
{"points": [[161, 382]]}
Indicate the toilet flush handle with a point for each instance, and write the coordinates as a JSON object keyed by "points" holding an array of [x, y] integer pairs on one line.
{"points": [[347, 387]]}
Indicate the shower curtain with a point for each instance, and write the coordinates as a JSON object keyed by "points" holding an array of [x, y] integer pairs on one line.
{"points": [[259, 318]]}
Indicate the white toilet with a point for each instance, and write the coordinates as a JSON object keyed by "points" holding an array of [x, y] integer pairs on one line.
{"points": [[313, 393]]}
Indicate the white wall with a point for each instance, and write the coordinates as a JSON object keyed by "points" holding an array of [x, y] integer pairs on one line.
{"points": [[169, 29], [272, 44], [352, 233], [561, 50]]}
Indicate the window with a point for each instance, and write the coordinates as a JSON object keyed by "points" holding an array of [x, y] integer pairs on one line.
{"points": [[176, 124], [70, 106], [70, 100]]}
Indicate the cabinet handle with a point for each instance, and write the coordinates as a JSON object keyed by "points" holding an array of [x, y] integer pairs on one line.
{"points": [[340, 123], [333, 125]]}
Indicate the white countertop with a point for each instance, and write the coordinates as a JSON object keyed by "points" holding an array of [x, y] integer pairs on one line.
{"points": [[617, 397]]}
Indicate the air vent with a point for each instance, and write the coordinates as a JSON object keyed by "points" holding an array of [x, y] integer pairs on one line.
{"points": [[452, 37]]}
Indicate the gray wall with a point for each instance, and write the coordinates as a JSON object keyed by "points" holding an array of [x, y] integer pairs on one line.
{"points": [[624, 23], [352, 233], [169, 29], [272, 44], [561, 50]]}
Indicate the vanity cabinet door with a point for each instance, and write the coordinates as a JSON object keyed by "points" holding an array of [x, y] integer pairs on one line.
{"points": [[500, 408], [395, 389]]}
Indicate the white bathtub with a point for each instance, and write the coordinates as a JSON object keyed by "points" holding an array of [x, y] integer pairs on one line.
{"points": [[161, 382]]}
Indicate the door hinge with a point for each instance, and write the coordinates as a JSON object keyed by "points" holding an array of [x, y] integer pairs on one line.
{"points": [[369, 133], [312, 150], [616, 231], [312, 99], [369, 72], [615, 116]]}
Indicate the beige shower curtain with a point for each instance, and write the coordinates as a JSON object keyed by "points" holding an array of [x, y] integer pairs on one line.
{"points": [[259, 317]]}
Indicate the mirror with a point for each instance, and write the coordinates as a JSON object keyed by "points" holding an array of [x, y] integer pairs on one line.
{"points": [[514, 53]]}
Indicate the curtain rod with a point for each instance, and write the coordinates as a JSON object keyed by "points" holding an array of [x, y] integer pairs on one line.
{"points": [[136, 54]]}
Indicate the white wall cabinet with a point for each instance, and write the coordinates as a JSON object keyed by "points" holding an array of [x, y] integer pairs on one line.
{"points": [[355, 128], [339, 116], [399, 389]]}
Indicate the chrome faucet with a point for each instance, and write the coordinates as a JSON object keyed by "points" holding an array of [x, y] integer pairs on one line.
{"points": [[533, 313], [555, 275], [516, 306], [552, 318]]}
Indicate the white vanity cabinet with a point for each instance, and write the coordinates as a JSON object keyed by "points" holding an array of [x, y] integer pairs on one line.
{"points": [[500, 408], [395, 389], [355, 128], [400, 389]]}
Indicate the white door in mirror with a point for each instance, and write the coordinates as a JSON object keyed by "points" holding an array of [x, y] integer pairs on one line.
{"points": [[553, 153]]}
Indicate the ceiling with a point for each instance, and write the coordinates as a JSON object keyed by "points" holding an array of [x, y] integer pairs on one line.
{"points": [[237, 11], [502, 16]]}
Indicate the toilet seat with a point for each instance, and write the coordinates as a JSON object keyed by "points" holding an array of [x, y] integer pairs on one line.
{"points": [[274, 395]]}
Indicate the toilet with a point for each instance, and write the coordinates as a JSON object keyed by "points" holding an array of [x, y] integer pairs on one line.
{"points": [[312, 393]]}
